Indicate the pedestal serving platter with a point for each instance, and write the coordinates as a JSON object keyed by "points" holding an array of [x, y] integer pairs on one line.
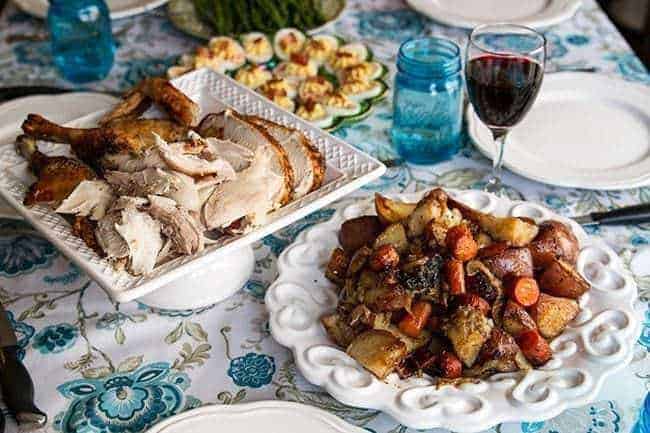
{"points": [[347, 170], [595, 345]]}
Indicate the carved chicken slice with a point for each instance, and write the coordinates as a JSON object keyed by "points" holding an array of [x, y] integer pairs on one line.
{"points": [[237, 155], [178, 224], [57, 176], [194, 157], [143, 236], [90, 144], [156, 181], [108, 238], [307, 162], [159, 90], [90, 198], [232, 126], [253, 194], [130, 162]]}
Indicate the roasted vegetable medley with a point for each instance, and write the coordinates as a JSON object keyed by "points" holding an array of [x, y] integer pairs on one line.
{"points": [[439, 288]]}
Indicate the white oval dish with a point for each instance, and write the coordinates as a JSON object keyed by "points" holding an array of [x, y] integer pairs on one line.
{"points": [[585, 130], [599, 342], [263, 416], [469, 13]]}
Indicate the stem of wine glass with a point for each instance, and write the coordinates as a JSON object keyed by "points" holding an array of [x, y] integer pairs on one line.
{"points": [[494, 183]]}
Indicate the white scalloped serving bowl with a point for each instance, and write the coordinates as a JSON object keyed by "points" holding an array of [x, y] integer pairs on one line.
{"points": [[596, 344]]}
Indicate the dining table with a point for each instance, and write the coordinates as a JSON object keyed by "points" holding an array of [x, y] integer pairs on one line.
{"points": [[103, 367]]}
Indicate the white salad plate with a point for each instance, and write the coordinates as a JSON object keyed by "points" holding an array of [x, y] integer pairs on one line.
{"points": [[599, 342], [58, 108], [118, 8], [471, 13], [203, 281], [585, 130], [259, 417]]}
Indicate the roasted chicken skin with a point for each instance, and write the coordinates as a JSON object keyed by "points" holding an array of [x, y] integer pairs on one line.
{"points": [[179, 107], [90, 144], [57, 176]]}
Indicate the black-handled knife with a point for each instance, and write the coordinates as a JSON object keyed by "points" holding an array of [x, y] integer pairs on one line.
{"points": [[638, 214], [15, 381]]}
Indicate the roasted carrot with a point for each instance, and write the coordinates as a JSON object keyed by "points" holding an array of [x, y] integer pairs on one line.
{"points": [[523, 290], [449, 365], [413, 323], [461, 243], [534, 347], [475, 301], [455, 276]]}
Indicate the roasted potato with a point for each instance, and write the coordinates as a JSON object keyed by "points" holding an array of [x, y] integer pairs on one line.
{"points": [[337, 329], [552, 314], [357, 232], [378, 351], [412, 343], [384, 257], [516, 319], [337, 266], [359, 260], [516, 231], [554, 241], [381, 298], [499, 353], [394, 235], [503, 260], [392, 211], [428, 209], [467, 329], [561, 279]]}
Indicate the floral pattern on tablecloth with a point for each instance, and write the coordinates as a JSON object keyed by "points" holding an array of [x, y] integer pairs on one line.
{"points": [[101, 367]]}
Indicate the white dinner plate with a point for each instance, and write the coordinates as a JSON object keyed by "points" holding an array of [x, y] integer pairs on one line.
{"points": [[260, 417], [584, 131], [118, 8], [596, 344], [471, 13], [58, 108]]}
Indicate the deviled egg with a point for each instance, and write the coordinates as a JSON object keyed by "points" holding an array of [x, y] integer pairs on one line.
{"points": [[315, 88], [205, 58], [315, 113], [229, 51], [337, 104], [363, 71], [358, 90], [257, 47], [253, 76], [280, 98], [297, 68], [278, 84], [320, 48], [356, 48], [288, 41]]}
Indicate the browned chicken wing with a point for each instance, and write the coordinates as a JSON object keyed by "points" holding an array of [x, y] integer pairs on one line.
{"points": [[57, 176], [179, 107], [90, 144]]}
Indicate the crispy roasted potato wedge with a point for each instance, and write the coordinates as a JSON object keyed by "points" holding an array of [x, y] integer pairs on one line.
{"points": [[427, 210], [561, 279], [394, 235], [552, 314], [554, 241], [392, 211], [467, 329], [516, 231], [502, 260], [378, 351], [360, 231]]}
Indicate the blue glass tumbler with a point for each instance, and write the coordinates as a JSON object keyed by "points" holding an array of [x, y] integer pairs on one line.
{"points": [[82, 42], [427, 100]]}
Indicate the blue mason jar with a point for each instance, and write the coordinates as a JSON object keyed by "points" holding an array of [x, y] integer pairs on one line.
{"points": [[427, 98], [82, 42]]}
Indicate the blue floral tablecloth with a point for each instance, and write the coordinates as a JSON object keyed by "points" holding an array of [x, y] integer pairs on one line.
{"points": [[100, 367]]}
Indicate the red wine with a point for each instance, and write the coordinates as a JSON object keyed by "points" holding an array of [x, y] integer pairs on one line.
{"points": [[502, 88]]}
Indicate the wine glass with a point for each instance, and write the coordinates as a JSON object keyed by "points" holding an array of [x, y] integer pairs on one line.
{"points": [[503, 70]]}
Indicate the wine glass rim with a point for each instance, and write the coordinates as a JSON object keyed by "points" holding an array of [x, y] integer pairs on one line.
{"points": [[531, 30]]}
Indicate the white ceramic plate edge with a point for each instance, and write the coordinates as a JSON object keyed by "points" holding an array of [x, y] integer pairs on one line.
{"points": [[38, 8], [566, 11], [329, 422], [301, 294]]}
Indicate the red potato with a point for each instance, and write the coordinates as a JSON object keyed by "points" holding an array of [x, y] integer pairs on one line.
{"points": [[473, 300], [561, 279], [357, 232], [554, 241], [503, 260], [552, 314]]}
